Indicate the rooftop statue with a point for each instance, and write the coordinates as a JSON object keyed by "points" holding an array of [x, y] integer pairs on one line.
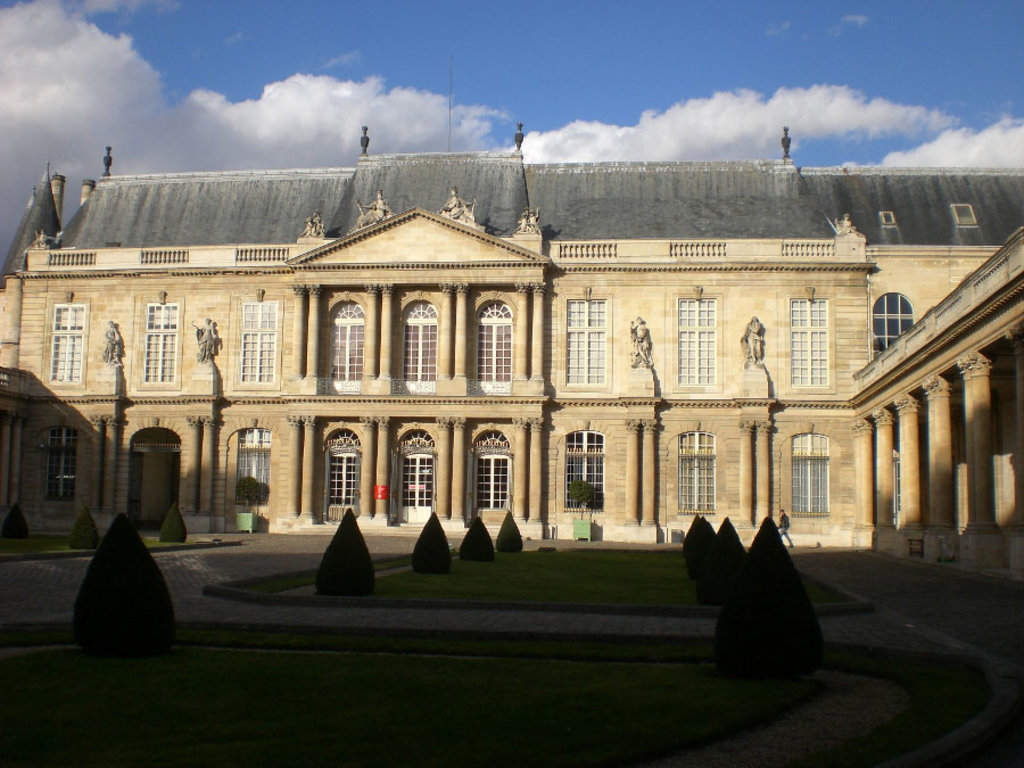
{"points": [[457, 209], [314, 226], [364, 141], [844, 226], [643, 347], [113, 345], [519, 137], [529, 222], [786, 142], [376, 211], [753, 344]]}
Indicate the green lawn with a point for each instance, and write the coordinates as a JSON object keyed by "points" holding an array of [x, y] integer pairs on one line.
{"points": [[252, 708], [41, 544]]}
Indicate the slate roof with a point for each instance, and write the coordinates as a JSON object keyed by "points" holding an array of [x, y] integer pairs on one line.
{"points": [[40, 214], [757, 199]]}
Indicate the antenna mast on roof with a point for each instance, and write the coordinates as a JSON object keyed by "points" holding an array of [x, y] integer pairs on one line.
{"points": [[451, 80]]}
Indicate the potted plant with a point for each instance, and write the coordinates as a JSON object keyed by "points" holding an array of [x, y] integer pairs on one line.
{"points": [[582, 493], [247, 492]]}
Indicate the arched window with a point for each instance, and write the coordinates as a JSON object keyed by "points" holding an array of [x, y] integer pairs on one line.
{"points": [[347, 347], [343, 461], [584, 460], [493, 460], [417, 451], [810, 475], [420, 354], [696, 473], [494, 347], [254, 459], [891, 316], [61, 462]]}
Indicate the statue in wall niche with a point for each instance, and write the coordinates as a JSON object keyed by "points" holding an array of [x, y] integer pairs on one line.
{"points": [[376, 211], [844, 226], [208, 341], [314, 226], [113, 345], [753, 344], [529, 222], [457, 209], [643, 347]]}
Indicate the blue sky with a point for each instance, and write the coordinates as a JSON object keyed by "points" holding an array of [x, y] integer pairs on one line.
{"points": [[189, 85]]}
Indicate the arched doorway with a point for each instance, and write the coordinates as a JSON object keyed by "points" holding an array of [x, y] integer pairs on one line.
{"points": [[417, 452], [155, 474], [342, 473]]}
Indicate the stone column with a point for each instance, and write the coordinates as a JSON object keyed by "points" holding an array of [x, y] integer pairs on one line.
{"points": [[983, 545], [443, 480], [459, 469], [295, 463], [746, 480], [115, 433], [649, 491], [14, 489], [940, 455], [386, 318], [864, 472], [910, 466], [367, 461], [382, 506], [190, 503], [520, 335], [632, 484], [461, 327], [536, 458], [763, 468], [445, 334], [309, 455], [520, 464], [537, 340], [10, 328], [299, 332], [1016, 337], [371, 335], [209, 464], [99, 432], [313, 333], [883, 469], [5, 458]]}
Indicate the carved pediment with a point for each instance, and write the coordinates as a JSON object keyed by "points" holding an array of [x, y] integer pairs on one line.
{"points": [[416, 237]]}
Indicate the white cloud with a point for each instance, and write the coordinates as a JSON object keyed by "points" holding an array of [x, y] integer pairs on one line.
{"points": [[850, 20], [1000, 145], [780, 28], [343, 60], [735, 125]]}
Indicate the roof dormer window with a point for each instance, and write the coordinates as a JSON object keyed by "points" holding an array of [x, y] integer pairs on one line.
{"points": [[963, 215], [888, 218]]}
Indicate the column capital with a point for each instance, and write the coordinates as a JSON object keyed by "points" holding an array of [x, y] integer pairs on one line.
{"points": [[649, 425], [309, 422], [936, 386], [194, 421], [882, 417], [299, 290], [632, 425], [97, 421], [444, 423], [295, 421], [763, 427], [315, 290], [861, 427], [387, 289], [974, 365], [537, 424], [746, 427], [539, 289], [1015, 335], [906, 404], [211, 421], [372, 289], [383, 422], [447, 288], [458, 422], [368, 421], [462, 288], [521, 423], [524, 288]]}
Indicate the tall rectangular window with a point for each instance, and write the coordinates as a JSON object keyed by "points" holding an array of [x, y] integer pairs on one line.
{"points": [[809, 342], [585, 341], [254, 459], [61, 457], [696, 473], [68, 342], [161, 343], [698, 341], [259, 342], [810, 475]]}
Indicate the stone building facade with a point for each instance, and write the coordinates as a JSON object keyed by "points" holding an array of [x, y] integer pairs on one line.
{"points": [[724, 339]]}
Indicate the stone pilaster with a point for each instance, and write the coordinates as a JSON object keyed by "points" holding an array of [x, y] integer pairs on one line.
{"points": [[537, 340], [649, 492], [520, 465], [444, 468], [939, 537], [383, 506], [115, 433], [907, 409], [461, 328], [521, 334], [371, 335], [299, 332], [631, 487], [536, 460], [209, 464], [864, 471], [309, 454], [446, 338], [99, 433], [313, 333], [190, 494], [295, 463], [367, 460], [459, 469], [883, 469], [746, 478], [387, 312], [763, 469]]}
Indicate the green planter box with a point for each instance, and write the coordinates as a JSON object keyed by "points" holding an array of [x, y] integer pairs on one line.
{"points": [[581, 530], [244, 521]]}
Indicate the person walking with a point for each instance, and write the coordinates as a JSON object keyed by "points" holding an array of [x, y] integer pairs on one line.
{"points": [[784, 527]]}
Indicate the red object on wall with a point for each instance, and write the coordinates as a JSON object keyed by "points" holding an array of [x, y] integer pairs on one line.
{"points": [[381, 492]]}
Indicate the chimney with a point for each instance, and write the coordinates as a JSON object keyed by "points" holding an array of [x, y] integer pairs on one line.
{"points": [[88, 185], [57, 188]]}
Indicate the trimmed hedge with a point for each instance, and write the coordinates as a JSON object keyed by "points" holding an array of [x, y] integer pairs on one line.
{"points": [[346, 567], [123, 607], [696, 545], [173, 528], [509, 538], [83, 533], [431, 553], [477, 544], [15, 526], [721, 566], [767, 626]]}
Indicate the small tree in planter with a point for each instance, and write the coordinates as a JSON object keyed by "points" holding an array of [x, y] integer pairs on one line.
{"points": [[509, 537], [83, 533], [581, 493], [477, 544], [346, 567], [173, 528], [431, 553], [14, 526], [248, 491]]}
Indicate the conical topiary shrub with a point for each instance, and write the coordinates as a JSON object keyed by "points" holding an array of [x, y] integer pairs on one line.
{"points": [[346, 567], [721, 566], [509, 538], [767, 626], [477, 544], [431, 553], [173, 528], [83, 533], [123, 607], [696, 545], [14, 526]]}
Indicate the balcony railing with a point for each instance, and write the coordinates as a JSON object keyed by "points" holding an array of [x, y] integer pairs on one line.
{"points": [[411, 387]]}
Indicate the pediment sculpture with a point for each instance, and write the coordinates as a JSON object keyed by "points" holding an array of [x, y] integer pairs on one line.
{"points": [[376, 211], [457, 209], [314, 226]]}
